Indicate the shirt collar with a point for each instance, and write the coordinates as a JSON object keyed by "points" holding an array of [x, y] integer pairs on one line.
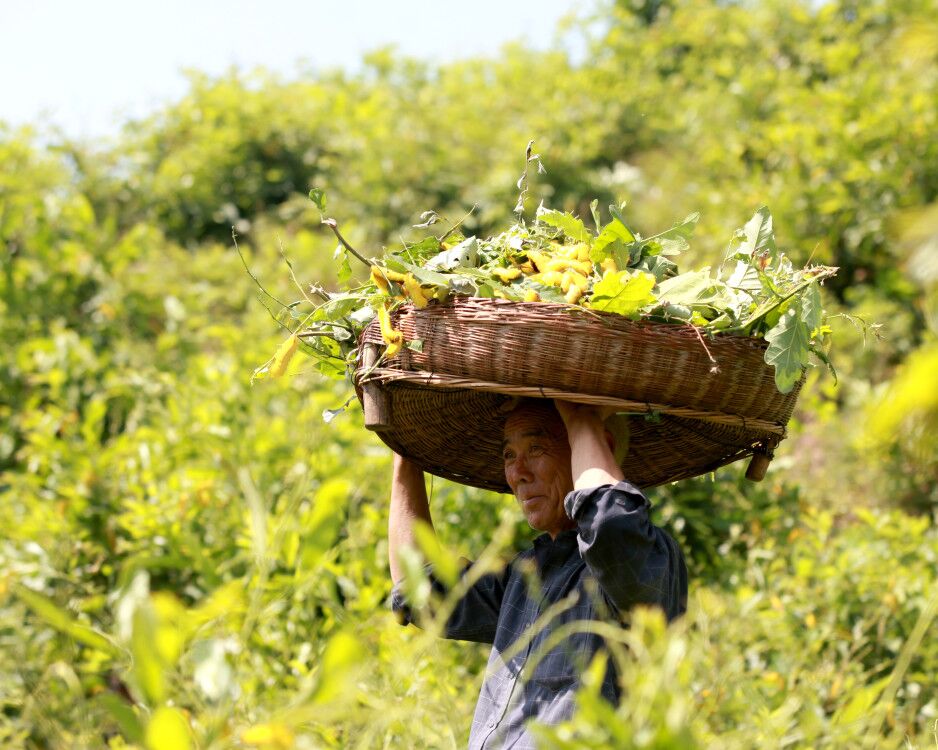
{"points": [[548, 551]]}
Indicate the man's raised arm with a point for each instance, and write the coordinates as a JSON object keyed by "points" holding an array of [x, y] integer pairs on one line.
{"points": [[409, 505], [475, 616], [633, 560]]}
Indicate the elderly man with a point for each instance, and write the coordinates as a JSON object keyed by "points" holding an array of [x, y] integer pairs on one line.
{"points": [[599, 548]]}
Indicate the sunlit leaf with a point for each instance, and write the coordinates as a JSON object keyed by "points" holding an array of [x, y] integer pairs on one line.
{"points": [[168, 730], [788, 350], [318, 197], [571, 226], [445, 565], [622, 293], [323, 523], [758, 235], [63, 621], [274, 736], [338, 666], [860, 703]]}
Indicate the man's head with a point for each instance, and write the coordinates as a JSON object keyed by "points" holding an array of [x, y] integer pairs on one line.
{"points": [[536, 454]]}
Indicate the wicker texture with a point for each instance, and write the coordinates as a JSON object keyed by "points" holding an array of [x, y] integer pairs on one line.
{"points": [[448, 402]]}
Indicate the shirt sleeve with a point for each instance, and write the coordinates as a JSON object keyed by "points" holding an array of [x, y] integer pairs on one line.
{"points": [[633, 560], [475, 616]]}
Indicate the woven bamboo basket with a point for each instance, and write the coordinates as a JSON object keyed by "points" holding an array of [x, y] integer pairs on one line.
{"points": [[444, 405]]}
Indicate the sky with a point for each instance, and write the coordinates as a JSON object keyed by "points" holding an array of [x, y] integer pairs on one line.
{"points": [[87, 66]]}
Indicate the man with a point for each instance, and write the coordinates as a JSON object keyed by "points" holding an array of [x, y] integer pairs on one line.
{"points": [[599, 553]]}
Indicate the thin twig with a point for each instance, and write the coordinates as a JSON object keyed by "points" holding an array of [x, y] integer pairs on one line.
{"points": [[715, 368], [331, 223], [296, 283], [459, 223], [320, 292], [234, 237]]}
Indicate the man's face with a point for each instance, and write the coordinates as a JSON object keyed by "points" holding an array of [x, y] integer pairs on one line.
{"points": [[537, 466]]}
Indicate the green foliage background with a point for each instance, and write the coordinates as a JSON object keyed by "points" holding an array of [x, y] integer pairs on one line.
{"points": [[190, 561]]}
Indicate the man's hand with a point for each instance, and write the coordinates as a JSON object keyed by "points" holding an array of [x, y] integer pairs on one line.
{"points": [[591, 449]]}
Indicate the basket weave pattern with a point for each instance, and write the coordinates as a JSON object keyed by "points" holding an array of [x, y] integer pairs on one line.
{"points": [[478, 353]]}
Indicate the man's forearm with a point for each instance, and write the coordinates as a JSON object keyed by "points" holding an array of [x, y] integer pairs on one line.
{"points": [[409, 505], [591, 455]]}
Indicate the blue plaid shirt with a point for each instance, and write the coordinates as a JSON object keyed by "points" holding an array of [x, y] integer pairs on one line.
{"points": [[614, 559]]}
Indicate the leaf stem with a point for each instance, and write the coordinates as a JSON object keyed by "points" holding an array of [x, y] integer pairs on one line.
{"points": [[800, 286], [331, 223]]}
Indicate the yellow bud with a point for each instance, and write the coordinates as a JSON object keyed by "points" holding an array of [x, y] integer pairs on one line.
{"points": [[506, 274], [397, 276], [392, 337], [412, 289], [540, 260], [565, 281], [379, 279], [268, 736], [551, 278], [578, 279], [283, 356]]}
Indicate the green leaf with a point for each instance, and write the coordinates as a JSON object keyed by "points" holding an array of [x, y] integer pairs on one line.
{"points": [[322, 524], [758, 234], [338, 666], [623, 293], [344, 272], [444, 563], [148, 666], [423, 275], [860, 703], [675, 240], [423, 250], [658, 266], [811, 310], [695, 288], [546, 292], [571, 226], [745, 278], [594, 210], [789, 349], [614, 230], [617, 250], [63, 621], [124, 715], [318, 196]]}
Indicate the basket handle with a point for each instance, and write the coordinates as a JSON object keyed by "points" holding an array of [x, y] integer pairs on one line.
{"points": [[375, 401], [761, 458]]}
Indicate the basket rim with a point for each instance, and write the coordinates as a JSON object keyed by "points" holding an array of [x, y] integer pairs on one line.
{"points": [[417, 381]]}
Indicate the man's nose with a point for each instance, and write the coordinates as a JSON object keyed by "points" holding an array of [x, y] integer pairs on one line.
{"points": [[520, 471]]}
